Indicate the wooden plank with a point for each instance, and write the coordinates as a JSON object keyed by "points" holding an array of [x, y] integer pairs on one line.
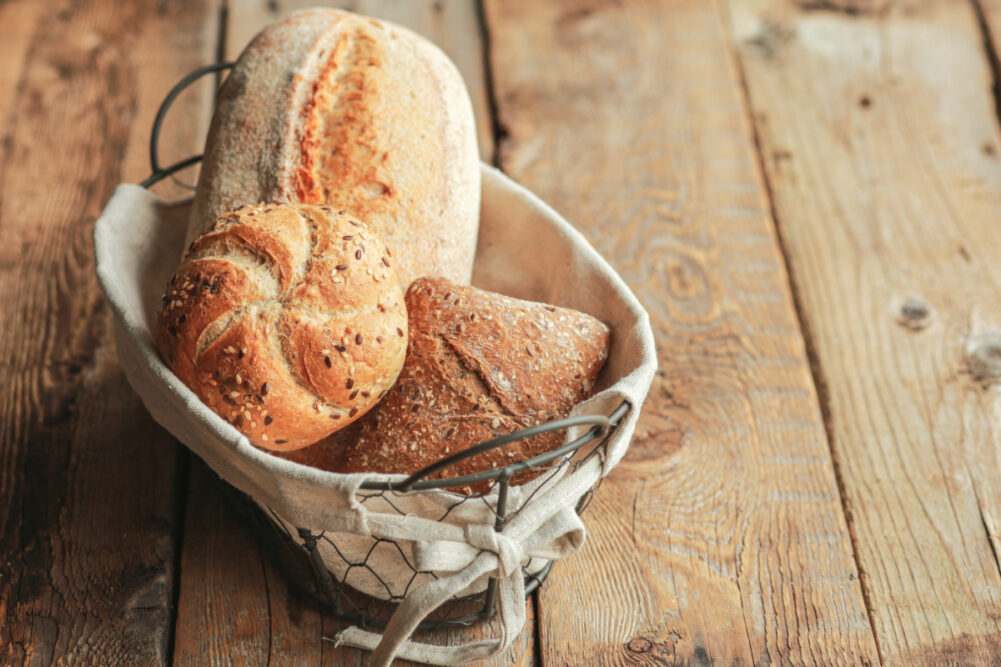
{"points": [[881, 145], [233, 605], [87, 497], [213, 590], [721, 538]]}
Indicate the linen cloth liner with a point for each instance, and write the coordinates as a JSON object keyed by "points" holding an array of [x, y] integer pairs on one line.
{"points": [[525, 250]]}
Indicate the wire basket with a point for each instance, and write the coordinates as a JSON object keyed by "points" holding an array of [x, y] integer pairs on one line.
{"points": [[297, 550]]}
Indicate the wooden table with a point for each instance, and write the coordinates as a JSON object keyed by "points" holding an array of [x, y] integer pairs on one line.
{"points": [[805, 195]]}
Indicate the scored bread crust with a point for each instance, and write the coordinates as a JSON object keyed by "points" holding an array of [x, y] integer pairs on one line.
{"points": [[287, 321], [479, 365], [327, 107]]}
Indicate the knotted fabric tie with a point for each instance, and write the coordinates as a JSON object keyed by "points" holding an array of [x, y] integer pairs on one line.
{"points": [[548, 527], [509, 553]]}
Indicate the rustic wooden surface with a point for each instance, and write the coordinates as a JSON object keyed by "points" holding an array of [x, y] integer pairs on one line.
{"points": [[882, 155], [803, 194], [88, 520]]}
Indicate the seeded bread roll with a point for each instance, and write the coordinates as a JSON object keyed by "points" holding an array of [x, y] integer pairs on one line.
{"points": [[478, 365], [327, 107], [287, 321]]}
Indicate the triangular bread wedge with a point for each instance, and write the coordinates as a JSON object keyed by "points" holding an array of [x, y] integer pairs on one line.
{"points": [[478, 365]]}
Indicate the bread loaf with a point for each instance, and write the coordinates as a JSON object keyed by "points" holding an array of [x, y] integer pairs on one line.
{"points": [[287, 321], [327, 107], [478, 365]]}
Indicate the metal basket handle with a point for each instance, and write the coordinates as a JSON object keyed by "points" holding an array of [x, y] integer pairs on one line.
{"points": [[160, 173]]}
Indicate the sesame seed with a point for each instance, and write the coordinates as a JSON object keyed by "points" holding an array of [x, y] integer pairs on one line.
{"points": [[365, 394], [328, 362], [495, 422], [280, 441], [239, 380], [348, 237], [399, 332], [378, 339], [334, 415], [413, 446], [353, 395], [358, 339], [268, 420], [352, 412], [238, 422], [388, 252], [340, 348], [350, 383], [264, 437], [324, 352], [265, 389], [385, 261], [341, 267], [352, 221], [358, 253], [234, 394], [228, 349]]}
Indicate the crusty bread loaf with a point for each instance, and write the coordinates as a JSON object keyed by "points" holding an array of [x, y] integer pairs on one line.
{"points": [[327, 107], [478, 365], [287, 320]]}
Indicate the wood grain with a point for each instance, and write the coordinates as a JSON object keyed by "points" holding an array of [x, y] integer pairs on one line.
{"points": [[881, 145], [234, 607], [86, 480], [215, 589], [721, 538]]}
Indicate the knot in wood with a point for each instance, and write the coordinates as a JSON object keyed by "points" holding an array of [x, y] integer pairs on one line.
{"points": [[913, 313], [639, 645], [983, 357]]}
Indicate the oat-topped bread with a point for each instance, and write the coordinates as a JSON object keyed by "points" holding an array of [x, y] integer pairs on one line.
{"points": [[327, 107], [478, 365], [287, 320]]}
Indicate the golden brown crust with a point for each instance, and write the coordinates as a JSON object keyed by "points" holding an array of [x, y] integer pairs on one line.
{"points": [[478, 365], [328, 107], [288, 321]]}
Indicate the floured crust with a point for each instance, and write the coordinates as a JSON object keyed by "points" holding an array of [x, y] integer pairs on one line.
{"points": [[479, 365], [328, 107], [287, 321]]}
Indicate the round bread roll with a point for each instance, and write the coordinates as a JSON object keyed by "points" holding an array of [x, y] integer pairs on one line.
{"points": [[287, 320], [328, 107]]}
